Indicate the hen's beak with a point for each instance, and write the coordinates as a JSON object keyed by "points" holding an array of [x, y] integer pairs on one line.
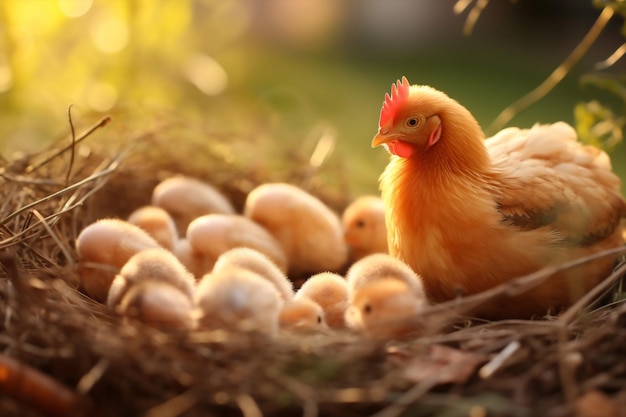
{"points": [[381, 137]]}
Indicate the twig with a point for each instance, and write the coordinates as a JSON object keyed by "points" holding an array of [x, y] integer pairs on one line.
{"points": [[566, 360], [86, 383], [461, 5], [30, 181], [325, 146], [473, 15], [557, 75], [496, 363], [248, 407], [112, 167], [34, 350], [515, 286], [30, 386], [99, 124], [567, 317], [174, 407], [611, 60], [54, 237], [73, 147]]}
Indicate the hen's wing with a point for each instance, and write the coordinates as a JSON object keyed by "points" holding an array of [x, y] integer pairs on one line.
{"points": [[544, 177]]}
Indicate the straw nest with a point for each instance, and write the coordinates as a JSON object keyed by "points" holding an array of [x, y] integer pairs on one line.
{"points": [[65, 354]]}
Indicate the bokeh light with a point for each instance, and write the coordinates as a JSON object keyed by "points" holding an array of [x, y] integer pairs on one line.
{"points": [[206, 73], [110, 34], [75, 8], [282, 68]]}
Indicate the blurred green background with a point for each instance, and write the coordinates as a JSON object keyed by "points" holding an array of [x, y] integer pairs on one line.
{"points": [[280, 75]]}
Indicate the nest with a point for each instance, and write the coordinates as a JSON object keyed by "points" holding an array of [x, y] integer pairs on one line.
{"points": [[65, 354]]}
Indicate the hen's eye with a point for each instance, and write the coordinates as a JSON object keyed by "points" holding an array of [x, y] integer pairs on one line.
{"points": [[412, 122], [360, 224]]}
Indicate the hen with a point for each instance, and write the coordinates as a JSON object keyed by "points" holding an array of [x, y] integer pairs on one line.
{"points": [[469, 213]]}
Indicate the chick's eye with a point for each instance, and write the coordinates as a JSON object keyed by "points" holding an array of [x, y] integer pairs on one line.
{"points": [[360, 223], [367, 308], [412, 122]]}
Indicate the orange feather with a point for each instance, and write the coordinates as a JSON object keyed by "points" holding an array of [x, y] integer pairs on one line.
{"points": [[468, 214]]}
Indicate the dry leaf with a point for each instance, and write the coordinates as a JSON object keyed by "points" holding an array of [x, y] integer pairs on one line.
{"points": [[444, 364]]}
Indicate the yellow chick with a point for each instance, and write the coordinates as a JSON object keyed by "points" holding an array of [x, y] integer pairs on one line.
{"points": [[255, 261], [211, 235], [382, 266], [364, 227], [384, 295], [103, 248], [237, 299], [309, 232], [158, 304], [156, 264], [186, 198], [158, 223], [330, 291], [302, 313], [196, 263], [384, 309]]}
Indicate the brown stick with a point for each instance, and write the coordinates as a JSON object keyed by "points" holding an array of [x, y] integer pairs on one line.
{"points": [[30, 386], [557, 75]]}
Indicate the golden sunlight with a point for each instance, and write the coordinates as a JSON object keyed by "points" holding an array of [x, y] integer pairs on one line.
{"points": [[74, 8], [110, 34]]}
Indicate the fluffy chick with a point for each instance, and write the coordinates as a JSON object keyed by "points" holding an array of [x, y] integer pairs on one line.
{"points": [[158, 304], [196, 263], [302, 313], [186, 198], [384, 309], [155, 264], [381, 266], [211, 235], [384, 294], [237, 299], [257, 262], [364, 227], [309, 232], [157, 223], [103, 248], [330, 291]]}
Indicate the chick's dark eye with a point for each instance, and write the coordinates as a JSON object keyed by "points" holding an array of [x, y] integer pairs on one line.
{"points": [[412, 122], [319, 319], [360, 223], [367, 308]]}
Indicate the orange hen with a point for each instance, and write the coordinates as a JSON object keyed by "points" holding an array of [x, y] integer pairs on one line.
{"points": [[469, 213]]}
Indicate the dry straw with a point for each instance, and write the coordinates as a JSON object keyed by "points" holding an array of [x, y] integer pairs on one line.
{"points": [[63, 354]]}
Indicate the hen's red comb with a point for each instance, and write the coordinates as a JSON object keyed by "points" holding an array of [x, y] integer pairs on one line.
{"points": [[399, 93]]}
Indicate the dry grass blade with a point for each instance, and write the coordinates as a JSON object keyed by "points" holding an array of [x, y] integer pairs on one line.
{"points": [[556, 76], [473, 16], [54, 237], [57, 152], [92, 178], [176, 406], [611, 60], [492, 367], [517, 286], [47, 323]]}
